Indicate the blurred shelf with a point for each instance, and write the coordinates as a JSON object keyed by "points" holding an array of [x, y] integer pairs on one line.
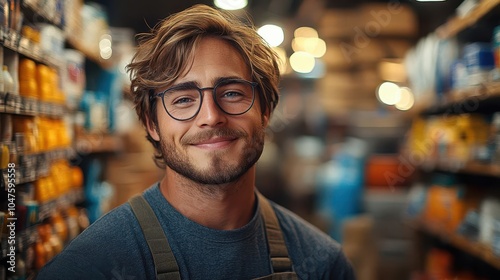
{"points": [[25, 106], [22, 45], [91, 143], [40, 10], [479, 250], [482, 169], [487, 90], [483, 99], [458, 24], [72, 197], [32, 166], [29, 236], [472, 167]]}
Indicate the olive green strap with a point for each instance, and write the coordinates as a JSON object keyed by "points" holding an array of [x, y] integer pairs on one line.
{"points": [[164, 259], [276, 243]]}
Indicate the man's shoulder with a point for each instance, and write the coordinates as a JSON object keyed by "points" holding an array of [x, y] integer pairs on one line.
{"points": [[315, 255], [120, 222], [116, 220], [294, 226]]}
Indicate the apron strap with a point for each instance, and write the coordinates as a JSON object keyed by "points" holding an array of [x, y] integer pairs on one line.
{"points": [[164, 260], [275, 241]]}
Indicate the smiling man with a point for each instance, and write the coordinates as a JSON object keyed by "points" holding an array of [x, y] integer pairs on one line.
{"points": [[205, 85]]}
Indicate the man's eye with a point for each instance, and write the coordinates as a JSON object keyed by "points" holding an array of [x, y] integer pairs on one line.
{"points": [[183, 101], [232, 93]]}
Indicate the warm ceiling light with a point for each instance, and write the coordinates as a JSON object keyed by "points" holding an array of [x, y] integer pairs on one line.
{"points": [[318, 48], [105, 49], [231, 4], [308, 32], [317, 72], [273, 34], [406, 101], [315, 46], [302, 62], [389, 93]]}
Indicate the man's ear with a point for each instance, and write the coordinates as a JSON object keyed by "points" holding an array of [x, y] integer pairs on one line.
{"points": [[265, 119], [152, 130]]}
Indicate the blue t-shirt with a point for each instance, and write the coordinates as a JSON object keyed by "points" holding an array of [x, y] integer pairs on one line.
{"points": [[114, 247]]}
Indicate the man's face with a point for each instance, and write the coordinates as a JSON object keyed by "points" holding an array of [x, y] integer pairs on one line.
{"points": [[213, 147]]}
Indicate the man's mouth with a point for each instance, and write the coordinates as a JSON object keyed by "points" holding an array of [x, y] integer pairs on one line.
{"points": [[214, 142], [213, 138]]}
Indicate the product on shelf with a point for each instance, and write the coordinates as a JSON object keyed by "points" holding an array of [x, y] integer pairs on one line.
{"points": [[469, 227], [72, 222], [42, 77], [439, 264], [51, 39], [6, 128], [40, 255], [452, 140], [25, 129], [31, 34], [489, 215], [73, 77], [457, 143], [494, 139], [8, 81], [60, 227], [479, 61], [28, 86], [39, 81]]}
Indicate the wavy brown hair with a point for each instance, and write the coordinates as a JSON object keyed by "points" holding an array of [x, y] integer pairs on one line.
{"points": [[167, 51]]}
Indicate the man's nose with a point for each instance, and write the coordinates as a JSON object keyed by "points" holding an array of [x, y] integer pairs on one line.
{"points": [[210, 114]]}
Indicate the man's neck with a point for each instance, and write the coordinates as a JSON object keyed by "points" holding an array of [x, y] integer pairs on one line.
{"points": [[222, 207]]}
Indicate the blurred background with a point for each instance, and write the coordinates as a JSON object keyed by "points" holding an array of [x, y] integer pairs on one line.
{"points": [[386, 137]]}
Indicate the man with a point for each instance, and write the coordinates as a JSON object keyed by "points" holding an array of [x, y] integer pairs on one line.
{"points": [[204, 85]]}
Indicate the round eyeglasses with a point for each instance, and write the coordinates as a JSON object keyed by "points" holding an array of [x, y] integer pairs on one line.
{"points": [[183, 101]]}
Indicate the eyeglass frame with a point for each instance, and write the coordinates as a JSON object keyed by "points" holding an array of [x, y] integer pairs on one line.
{"points": [[200, 91]]}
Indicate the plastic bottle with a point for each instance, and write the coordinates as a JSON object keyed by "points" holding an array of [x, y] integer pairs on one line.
{"points": [[495, 139], [27, 78], [8, 81], [6, 127]]}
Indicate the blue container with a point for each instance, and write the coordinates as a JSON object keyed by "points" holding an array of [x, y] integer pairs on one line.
{"points": [[478, 57], [340, 190]]}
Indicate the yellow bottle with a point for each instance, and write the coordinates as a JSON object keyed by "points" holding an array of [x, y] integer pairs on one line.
{"points": [[27, 78]]}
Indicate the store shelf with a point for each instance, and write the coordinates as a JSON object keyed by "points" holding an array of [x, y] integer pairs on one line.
{"points": [[73, 197], [28, 236], [482, 169], [484, 91], [19, 105], [479, 250], [458, 24], [478, 99], [30, 167], [89, 143], [39, 9], [475, 168], [20, 44]]}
